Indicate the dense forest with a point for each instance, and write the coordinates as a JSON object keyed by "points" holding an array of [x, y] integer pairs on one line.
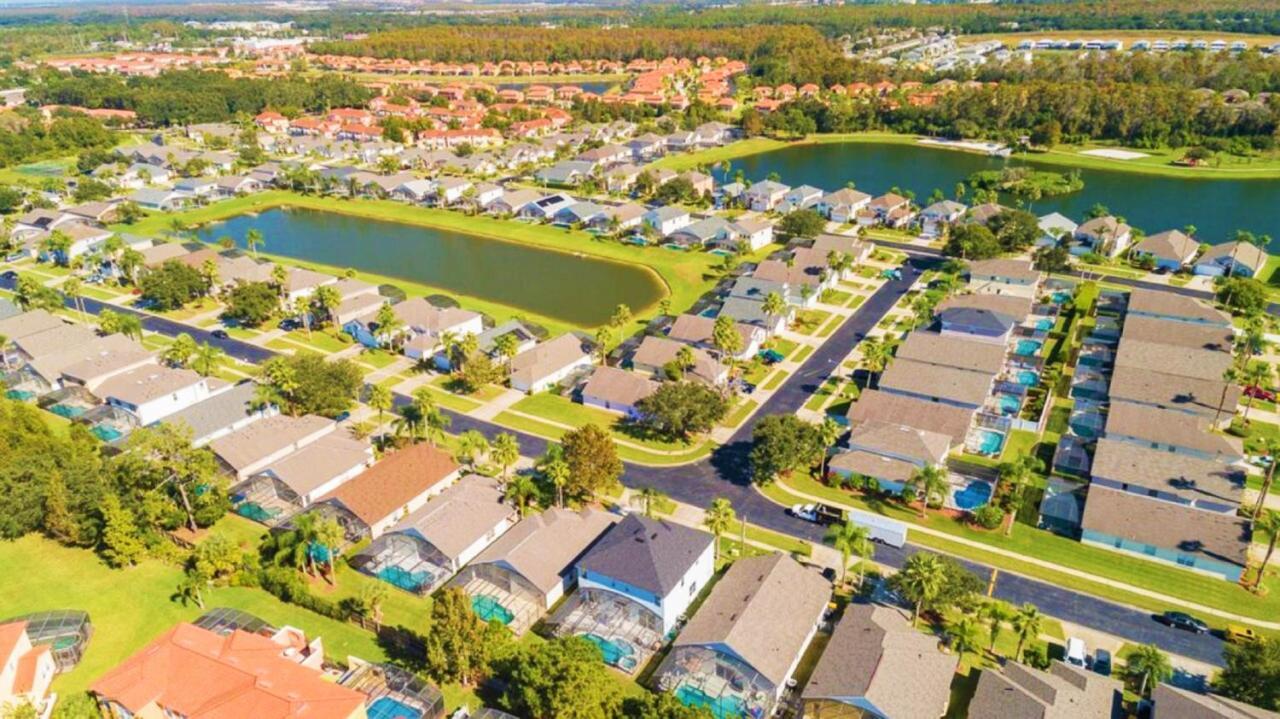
{"points": [[197, 96], [25, 136]]}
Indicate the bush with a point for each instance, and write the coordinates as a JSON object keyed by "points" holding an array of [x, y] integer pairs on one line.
{"points": [[1037, 655], [287, 586], [988, 516]]}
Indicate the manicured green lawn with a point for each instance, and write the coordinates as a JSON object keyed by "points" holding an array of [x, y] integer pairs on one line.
{"points": [[446, 399], [824, 392], [559, 409], [732, 151], [630, 454], [782, 346], [484, 394], [836, 297], [775, 380], [807, 322], [830, 327], [321, 340], [803, 354], [1032, 542], [740, 412]]}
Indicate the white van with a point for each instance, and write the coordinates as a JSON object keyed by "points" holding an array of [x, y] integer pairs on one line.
{"points": [[1076, 652]]}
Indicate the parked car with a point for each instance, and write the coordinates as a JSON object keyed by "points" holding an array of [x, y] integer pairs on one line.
{"points": [[1238, 634], [1184, 621], [1102, 662], [9, 275], [771, 356], [1257, 392], [1076, 654], [220, 334], [289, 324], [816, 513]]}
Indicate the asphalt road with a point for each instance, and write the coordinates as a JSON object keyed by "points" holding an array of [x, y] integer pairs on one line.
{"points": [[727, 472]]}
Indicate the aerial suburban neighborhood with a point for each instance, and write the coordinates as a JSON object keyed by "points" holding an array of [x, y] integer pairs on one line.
{"points": [[553, 361]]}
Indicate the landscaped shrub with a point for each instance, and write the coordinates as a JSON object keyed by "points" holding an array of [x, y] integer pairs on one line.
{"points": [[988, 516], [288, 586], [1037, 655]]}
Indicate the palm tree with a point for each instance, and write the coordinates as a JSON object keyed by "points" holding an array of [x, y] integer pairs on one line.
{"points": [[434, 422], [179, 353], [253, 239], [774, 306], [996, 613], [922, 578], [521, 492], [648, 498], [1270, 446], [505, 452], [964, 637], [372, 595], [556, 470], [876, 354], [828, 432], [1268, 523], [472, 446], [1149, 666], [191, 589], [1255, 375], [380, 399], [849, 539], [74, 290], [927, 483], [719, 518], [1026, 624], [506, 347], [294, 548], [409, 423], [330, 536], [1016, 475], [603, 343], [328, 299], [207, 359], [1229, 377]]}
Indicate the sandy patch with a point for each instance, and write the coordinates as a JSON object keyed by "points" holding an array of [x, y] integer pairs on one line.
{"points": [[1115, 154]]}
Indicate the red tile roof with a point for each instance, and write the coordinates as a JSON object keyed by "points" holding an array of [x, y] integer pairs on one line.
{"points": [[393, 482]]}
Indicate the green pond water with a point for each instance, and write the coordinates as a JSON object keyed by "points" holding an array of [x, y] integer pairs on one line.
{"points": [[1216, 207], [576, 289]]}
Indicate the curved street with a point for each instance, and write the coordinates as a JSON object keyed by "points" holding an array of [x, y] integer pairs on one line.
{"points": [[727, 472]]}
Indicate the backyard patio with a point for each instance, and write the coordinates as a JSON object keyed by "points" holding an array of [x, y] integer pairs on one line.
{"points": [[404, 562], [498, 594], [625, 631], [701, 677]]}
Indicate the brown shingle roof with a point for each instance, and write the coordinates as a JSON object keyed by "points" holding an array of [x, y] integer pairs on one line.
{"points": [[764, 610], [1178, 334], [1169, 427], [877, 656], [1011, 305], [1186, 394], [393, 482], [900, 440], [1167, 304], [1220, 537], [884, 406], [618, 386], [1063, 692], [459, 516], [950, 351], [926, 380], [543, 547], [1178, 361], [548, 357], [1191, 478], [1174, 703]]}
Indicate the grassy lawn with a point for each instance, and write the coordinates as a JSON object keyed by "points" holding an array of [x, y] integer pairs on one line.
{"points": [[836, 297], [559, 409], [740, 412], [732, 151], [824, 392], [199, 307], [686, 275], [629, 454], [446, 399], [377, 358], [831, 326], [1019, 443], [242, 333], [774, 381], [320, 340], [803, 354], [1031, 542], [484, 394], [807, 322]]}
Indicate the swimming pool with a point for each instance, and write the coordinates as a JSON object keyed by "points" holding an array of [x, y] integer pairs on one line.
{"points": [[1083, 425], [616, 652], [21, 395], [1044, 325], [1027, 348], [1027, 378], [1060, 297], [1008, 404], [67, 410], [990, 442], [392, 708], [723, 707], [974, 495], [488, 609], [106, 434], [404, 579]]}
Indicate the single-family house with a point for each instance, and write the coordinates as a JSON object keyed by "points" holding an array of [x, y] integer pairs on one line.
{"points": [[889, 452], [872, 653], [755, 626], [765, 196], [646, 147], [1170, 702], [428, 546], [1157, 304], [1053, 228], [1169, 250], [579, 213], [658, 355], [531, 567], [666, 220], [1063, 692], [1240, 259], [800, 198], [546, 364], [198, 187], [255, 446], [698, 331], [449, 191], [189, 669], [623, 217], [151, 392], [747, 234], [545, 208], [296, 481], [26, 669], [842, 205], [1003, 275], [1106, 236], [923, 414], [617, 390], [655, 565], [889, 209], [221, 414], [704, 232], [235, 185], [945, 385], [857, 251], [1171, 431], [396, 486], [704, 185], [622, 178], [566, 173], [935, 218], [159, 199], [511, 203]]}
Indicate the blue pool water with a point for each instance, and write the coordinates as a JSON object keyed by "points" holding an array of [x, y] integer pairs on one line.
{"points": [[1045, 324], [1060, 297], [1083, 428], [1027, 378], [106, 434], [391, 708], [404, 579], [1009, 404], [616, 652], [66, 410], [725, 707], [488, 609], [1026, 348], [21, 395], [974, 495], [990, 442]]}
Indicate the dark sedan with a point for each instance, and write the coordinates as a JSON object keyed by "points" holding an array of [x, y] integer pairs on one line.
{"points": [[1181, 620]]}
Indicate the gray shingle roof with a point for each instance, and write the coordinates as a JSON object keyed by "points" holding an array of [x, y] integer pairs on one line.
{"points": [[648, 554]]}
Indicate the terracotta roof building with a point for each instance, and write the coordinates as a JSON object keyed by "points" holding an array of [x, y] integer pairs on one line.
{"points": [[396, 486]]}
